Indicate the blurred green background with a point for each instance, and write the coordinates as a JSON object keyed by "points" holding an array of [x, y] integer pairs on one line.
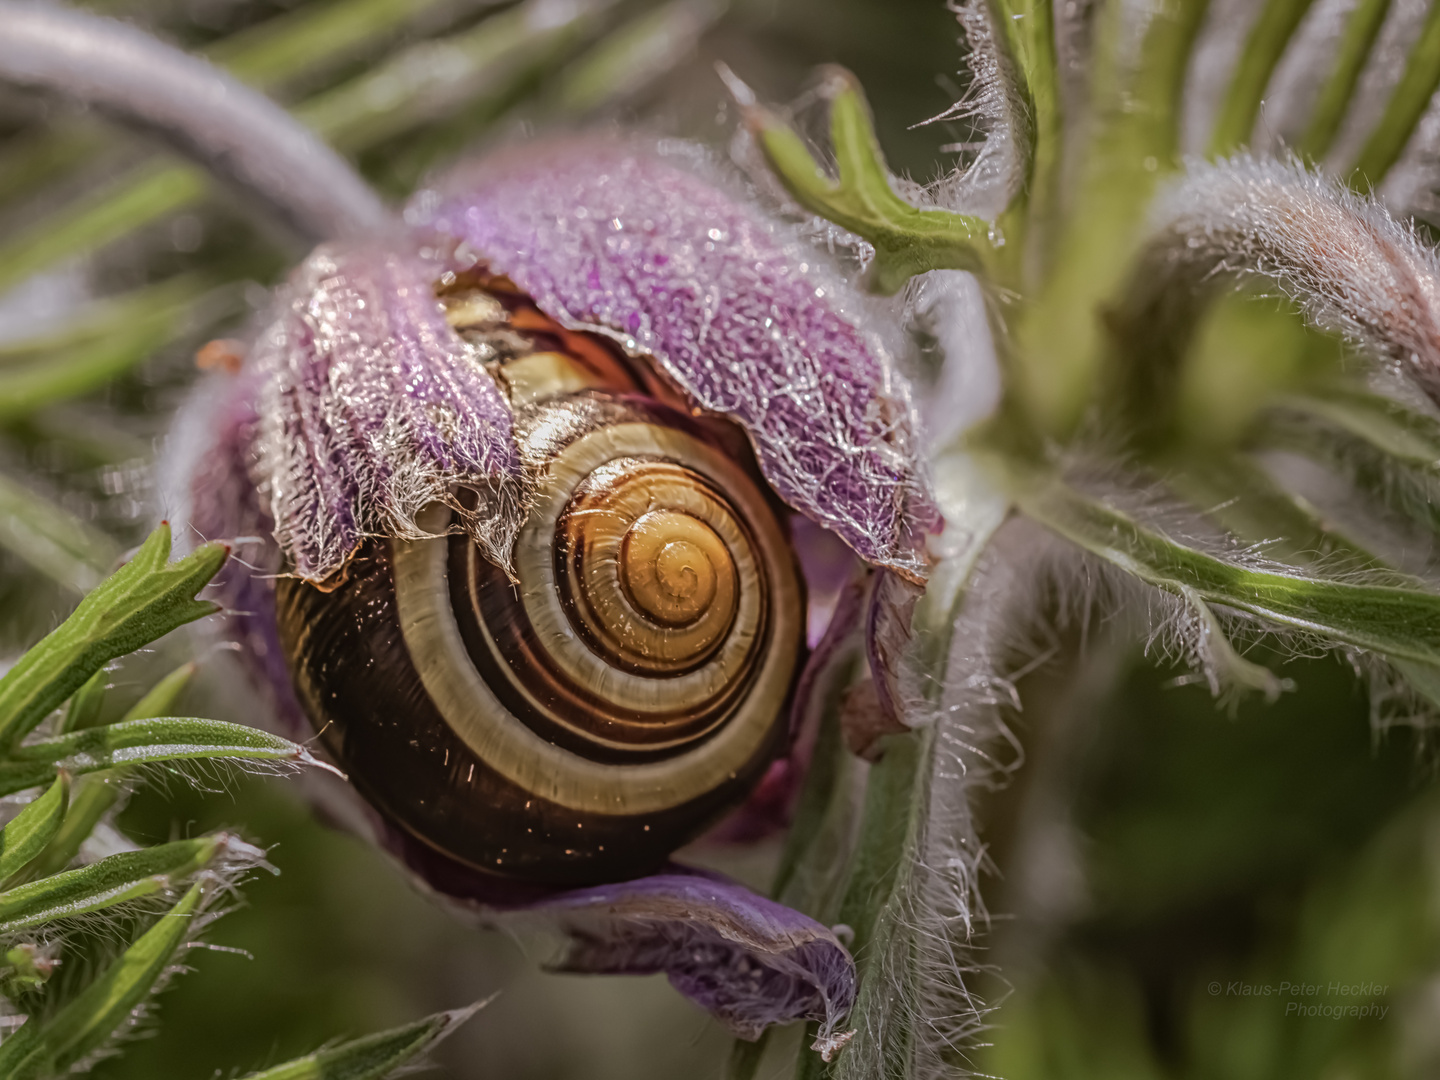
{"points": [[1154, 848]]}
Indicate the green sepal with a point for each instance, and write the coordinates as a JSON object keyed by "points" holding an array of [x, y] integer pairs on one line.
{"points": [[142, 601], [30, 830], [40, 1049], [118, 879], [373, 1056], [907, 240]]}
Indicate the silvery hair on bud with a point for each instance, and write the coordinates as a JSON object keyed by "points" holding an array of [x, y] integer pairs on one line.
{"points": [[1351, 267], [993, 107]]}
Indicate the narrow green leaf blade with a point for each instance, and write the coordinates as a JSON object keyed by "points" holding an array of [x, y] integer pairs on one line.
{"points": [[94, 797], [80, 370], [104, 1006], [321, 35], [145, 742], [118, 879], [141, 602], [67, 550], [1358, 38], [161, 697], [634, 55], [1395, 429], [1028, 30], [134, 199], [85, 705], [1406, 105], [99, 792], [1269, 36], [27, 834], [374, 1056], [1397, 622], [1064, 346]]}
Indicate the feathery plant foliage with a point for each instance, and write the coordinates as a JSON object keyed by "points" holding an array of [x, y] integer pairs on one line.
{"points": [[1162, 326], [150, 905], [1216, 425]]}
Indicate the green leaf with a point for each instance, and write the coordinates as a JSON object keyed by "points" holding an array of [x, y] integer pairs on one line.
{"points": [[98, 320], [1226, 670], [93, 798], [144, 742], [307, 43], [101, 217], [1386, 450], [84, 708], [99, 792], [817, 845], [436, 79], [131, 875], [321, 35], [161, 698], [1247, 502], [143, 601], [420, 84], [1356, 41], [896, 805], [98, 1011], [374, 1056], [1406, 105], [1395, 429], [1397, 622], [634, 55], [907, 240], [30, 830], [82, 369], [1269, 36], [66, 549]]}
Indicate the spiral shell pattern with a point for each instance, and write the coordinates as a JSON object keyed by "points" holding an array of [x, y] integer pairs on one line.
{"points": [[582, 718]]}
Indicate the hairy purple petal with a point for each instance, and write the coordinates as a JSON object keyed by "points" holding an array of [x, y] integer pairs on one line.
{"points": [[633, 244], [372, 408], [750, 961], [215, 435]]}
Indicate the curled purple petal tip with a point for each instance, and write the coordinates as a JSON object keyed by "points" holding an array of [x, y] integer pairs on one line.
{"points": [[371, 409], [750, 961]]}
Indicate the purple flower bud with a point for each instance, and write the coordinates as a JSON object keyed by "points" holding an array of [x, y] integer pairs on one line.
{"points": [[361, 406]]}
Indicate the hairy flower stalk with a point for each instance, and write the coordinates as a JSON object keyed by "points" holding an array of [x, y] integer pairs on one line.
{"points": [[1347, 262]]}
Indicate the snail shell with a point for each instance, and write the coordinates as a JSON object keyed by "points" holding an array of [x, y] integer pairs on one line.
{"points": [[630, 685]]}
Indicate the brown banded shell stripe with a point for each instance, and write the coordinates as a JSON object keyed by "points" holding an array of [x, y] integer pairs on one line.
{"points": [[750, 666]]}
